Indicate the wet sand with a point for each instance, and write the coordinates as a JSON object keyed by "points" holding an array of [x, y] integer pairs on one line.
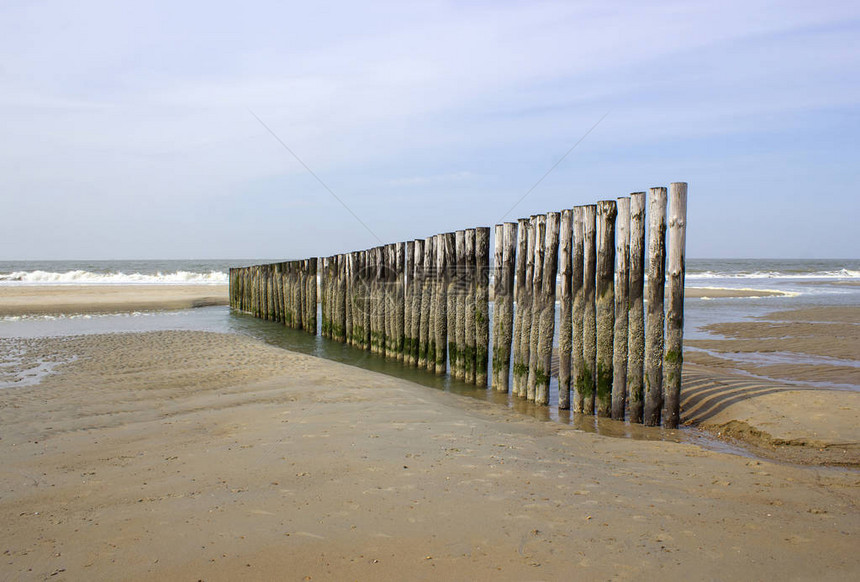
{"points": [[73, 299], [788, 383], [192, 455]]}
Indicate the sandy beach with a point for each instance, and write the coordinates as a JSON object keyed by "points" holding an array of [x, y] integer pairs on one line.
{"points": [[191, 455], [209, 456], [68, 299]]}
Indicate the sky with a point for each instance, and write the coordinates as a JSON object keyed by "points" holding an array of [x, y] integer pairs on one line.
{"points": [[130, 129]]}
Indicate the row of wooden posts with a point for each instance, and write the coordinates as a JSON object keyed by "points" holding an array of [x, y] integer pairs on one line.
{"points": [[426, 303]]}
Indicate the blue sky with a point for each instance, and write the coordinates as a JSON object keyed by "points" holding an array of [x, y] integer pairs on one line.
{"points": [[127, 130]]}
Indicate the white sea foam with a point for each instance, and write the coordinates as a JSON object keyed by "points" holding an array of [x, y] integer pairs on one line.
{"points": [[89, 278], [837, 274]]}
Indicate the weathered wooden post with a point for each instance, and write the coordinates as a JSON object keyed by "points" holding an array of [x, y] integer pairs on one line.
{"points": [[605, 304], [521, 370], [380, 296], [654, 325], [674, 356], [519, 299], [349, 290], [507, 315], [374, 274], [498, 237], [399, 300], [367, 299], [450, 297], [565, 331], [635, 312], [286, 296], [440, 329], [482, 304], [432, 281], [312, 294], [324, 320], [389, 281], [543, 371], [296, 296], [457, 353], [589, 317], [426, 303], [273, 277], [469, 351], [409, 290], [418, 291], [622, 274], [340, 312], [537, 304]]}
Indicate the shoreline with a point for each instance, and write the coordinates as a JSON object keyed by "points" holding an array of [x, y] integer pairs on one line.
{"points": [[198, 455]]}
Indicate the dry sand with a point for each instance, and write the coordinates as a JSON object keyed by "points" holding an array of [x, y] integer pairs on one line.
{"points": [[200, 456], [43, 300]]}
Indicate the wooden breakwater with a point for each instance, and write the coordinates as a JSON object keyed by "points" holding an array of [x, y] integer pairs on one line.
{"points": [[426, 303]]}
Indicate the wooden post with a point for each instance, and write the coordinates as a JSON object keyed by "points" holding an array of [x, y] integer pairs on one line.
{"points": [[469, 318], [349, 290], [450, 297], [605, 304], [537, 304], [353, 310], [432, 281], [418, 289], [373, 275], [290, 293], [409, 290], [298, 295], [482, 304], [519, 299], [674, 356], [312, 294], [367, 274], [589, 317], [565, 323], [543, 370], [324, 331], [273, 282], [498, 237], [331, 280], [654, 325], [341, 298], [521, 370], [440, 328], [380, 300], [507, 315], [622, 274], [389, 282], [457, 353], [399, 300], [635, 311], [426, 303]]}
